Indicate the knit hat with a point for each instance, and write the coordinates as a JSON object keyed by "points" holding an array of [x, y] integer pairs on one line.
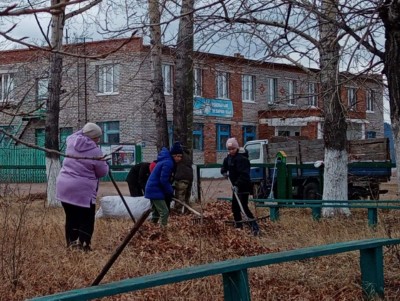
{"points": [[92, 130], [232, 143], [176, 149]]}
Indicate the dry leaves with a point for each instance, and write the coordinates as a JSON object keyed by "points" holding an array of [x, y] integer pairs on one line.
{"points": [[46, 267]]}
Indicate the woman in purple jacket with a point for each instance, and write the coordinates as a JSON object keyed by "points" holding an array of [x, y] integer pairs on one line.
{"points": [[77, 185]]}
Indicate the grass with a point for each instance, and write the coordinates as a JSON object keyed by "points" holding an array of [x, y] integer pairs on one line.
{"points": [[35, 262]]}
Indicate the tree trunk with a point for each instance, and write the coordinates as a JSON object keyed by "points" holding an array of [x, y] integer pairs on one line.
{"points": [[156, 70], [390, 15], [335, 171], [53, 165], [183, 87]]}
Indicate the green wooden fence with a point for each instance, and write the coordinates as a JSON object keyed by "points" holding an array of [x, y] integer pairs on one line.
{"points": [[20, 164], [235, 279]]}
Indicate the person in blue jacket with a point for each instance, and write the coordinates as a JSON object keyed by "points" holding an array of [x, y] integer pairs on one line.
{"points": [[159, 187]]}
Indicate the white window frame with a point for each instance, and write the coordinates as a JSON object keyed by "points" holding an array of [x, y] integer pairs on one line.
{"points": [[222, 82], [352, 97], [312, 94], [292, 90], [197, 82], [7, 84], [272, 95], [108, 79], [248, 88], [370, 99], [167, 78]]}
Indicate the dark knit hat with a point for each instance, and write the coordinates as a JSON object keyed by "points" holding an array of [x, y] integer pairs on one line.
{"points": [[176, 149]]}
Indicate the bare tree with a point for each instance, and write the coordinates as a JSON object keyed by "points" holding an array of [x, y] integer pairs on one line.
{"points": [[59, 14], [53, 165], [297, 33], [390, 16], [183, 87], [158, 84], [336, 158]]}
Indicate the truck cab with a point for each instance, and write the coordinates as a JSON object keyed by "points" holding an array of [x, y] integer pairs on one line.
{"points": [[262, 177], [256, 151]]}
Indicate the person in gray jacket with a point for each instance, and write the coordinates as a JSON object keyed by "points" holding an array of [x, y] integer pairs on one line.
{"points": [[183, 180]]}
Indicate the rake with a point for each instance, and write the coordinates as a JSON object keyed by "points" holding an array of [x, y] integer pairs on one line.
{"points": [[199, 217], [246, 219]]}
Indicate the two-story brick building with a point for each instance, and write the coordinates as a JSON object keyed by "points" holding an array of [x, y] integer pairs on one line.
{"points": [[234, 96]]}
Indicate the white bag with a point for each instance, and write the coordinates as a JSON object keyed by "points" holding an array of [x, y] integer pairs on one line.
{"points": [[113, 206]]}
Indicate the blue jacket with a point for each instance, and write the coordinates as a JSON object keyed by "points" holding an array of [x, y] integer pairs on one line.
{"points": [[159, 185]]}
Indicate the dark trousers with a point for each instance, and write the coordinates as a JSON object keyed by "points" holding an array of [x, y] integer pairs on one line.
{"points": [[135, 189], [237, 213], [79, 223]]}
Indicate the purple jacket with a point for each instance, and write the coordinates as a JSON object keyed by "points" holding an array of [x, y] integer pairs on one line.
{"points": [[77, 182]]}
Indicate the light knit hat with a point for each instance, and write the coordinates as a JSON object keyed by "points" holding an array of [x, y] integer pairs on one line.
{"points": [[232, 143], [92, 130]]}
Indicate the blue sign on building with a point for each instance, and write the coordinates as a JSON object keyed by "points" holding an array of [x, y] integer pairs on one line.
{"points": [[212, 107]]}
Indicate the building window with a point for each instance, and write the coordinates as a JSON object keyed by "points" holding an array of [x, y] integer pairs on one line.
{"points": [[167, 78], [352, 97], [287, 131], [223, 85], [64, 133], [198, 82], [223, 133], [248, 87], [284, 133], [370, 100], [5, 140], [272, 94], [42, 90], [312, 94], [249, 133], [108, 79], [198, 136], [7, 87], [292, 90], [110, 132], [371, 134], [355, 131]]}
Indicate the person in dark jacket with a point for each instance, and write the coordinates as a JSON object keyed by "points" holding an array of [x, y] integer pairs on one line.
{"points": [[183, 180], [236, 166], [158, 187], [77, 185], [137, 178]]}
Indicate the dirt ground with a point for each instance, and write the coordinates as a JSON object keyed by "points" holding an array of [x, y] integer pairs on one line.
{"points": [[210, 188]]}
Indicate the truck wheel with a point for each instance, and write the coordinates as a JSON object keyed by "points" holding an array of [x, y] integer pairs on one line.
{"points": [[311, 192], [374, 189], [259, 191]]}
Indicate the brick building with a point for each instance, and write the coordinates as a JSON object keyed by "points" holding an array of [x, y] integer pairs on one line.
{"points": [[234, 96]]}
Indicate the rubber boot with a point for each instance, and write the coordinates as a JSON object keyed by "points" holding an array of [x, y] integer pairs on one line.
{"points": [[255, 229]]}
